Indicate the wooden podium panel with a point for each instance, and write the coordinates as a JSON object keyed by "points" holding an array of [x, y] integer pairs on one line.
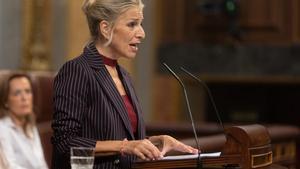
{"points": [[247, 147], [192, 164], [228, 160]]}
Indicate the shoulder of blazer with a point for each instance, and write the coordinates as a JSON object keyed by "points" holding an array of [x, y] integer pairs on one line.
{"points": [[71, 67], [79, 62]]}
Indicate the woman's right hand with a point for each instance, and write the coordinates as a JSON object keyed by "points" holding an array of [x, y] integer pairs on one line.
{"points": [[143, 149]]}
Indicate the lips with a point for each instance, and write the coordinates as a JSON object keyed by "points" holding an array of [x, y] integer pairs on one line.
{"points": [[25, 106], [134, 47]]}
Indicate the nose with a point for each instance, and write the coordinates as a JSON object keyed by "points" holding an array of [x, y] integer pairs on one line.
{"points": [[140, 33], [25, 96]]}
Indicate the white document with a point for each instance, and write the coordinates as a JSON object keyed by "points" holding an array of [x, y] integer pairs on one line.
{"points": [[192, 156]]}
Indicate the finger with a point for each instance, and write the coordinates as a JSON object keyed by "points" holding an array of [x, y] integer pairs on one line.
{"points": [[139, 154], [195, 151], [187, 149], [146, 148], [153, 149], [164, 151], [147, 153]]}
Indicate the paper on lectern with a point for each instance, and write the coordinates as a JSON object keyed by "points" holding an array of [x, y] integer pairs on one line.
{"points": [[192, 156]]}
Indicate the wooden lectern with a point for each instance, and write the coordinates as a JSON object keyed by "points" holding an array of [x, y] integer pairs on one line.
{"points": [[247, 147]]}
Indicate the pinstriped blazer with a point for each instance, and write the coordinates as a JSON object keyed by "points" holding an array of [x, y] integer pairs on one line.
{"points": [[88, 107]]}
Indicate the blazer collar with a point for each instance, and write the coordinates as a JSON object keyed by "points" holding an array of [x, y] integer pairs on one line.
{"points": [[93, 57]]}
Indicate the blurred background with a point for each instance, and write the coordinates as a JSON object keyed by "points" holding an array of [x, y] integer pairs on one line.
{"points": [[247, 51]]}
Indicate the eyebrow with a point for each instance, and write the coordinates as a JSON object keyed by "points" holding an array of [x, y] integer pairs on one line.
{"points": [[136, 19]]}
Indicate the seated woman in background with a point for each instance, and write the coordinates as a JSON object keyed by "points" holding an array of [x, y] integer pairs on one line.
{"points": [[19, 136]]}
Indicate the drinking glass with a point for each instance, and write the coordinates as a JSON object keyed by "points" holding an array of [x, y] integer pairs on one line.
{"points": [[82, 157]]}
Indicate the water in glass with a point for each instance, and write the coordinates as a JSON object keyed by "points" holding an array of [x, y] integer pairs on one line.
{"points": [[82, 157], [82, 162]]}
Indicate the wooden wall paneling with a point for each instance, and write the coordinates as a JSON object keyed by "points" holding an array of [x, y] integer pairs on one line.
{"points": [[266, 21], [204, 27], [37, 35], [173, 15], [26, 29], [77, 29], [296, 21], [167, 102], [261, 21]]}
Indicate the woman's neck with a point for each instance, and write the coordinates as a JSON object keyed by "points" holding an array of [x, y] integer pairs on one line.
{"points": [[105, 51], [18, 120]]}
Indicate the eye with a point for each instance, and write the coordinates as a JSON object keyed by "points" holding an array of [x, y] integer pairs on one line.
{"points": [[28, 91], [132, 24], [16, 93]]}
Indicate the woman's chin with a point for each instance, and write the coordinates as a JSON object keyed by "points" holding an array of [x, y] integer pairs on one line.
{"points": [[25, 113], [130, 55]]}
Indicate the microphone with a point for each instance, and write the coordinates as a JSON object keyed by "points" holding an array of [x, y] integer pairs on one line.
{"points": [[189, 110], [209, 95]]}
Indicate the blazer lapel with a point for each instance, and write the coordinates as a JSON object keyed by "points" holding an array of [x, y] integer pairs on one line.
{"points": [[103, 77], [129, 88], [108, 85]]}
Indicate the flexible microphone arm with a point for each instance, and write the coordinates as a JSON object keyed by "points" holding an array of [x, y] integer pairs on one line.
{"points": [[209, 94], [188, 105]]}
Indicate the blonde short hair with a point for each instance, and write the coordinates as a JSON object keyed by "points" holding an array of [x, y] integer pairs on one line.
{"points": [[106, 10]]}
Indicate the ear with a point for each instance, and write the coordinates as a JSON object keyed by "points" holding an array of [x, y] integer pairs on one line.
{"points": [[105, 29]]}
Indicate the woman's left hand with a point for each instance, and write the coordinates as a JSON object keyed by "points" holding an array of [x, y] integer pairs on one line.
{"points": [[169, 143]]}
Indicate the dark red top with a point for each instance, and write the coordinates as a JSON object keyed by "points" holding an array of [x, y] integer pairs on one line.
{"points": [[131, 113]]}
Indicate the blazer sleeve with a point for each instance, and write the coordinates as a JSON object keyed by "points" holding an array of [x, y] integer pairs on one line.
{"points": [[70, 103]]}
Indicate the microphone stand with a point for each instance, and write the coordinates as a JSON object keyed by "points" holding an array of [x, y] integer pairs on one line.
{"points": [[209, 95], [199, 162]]}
